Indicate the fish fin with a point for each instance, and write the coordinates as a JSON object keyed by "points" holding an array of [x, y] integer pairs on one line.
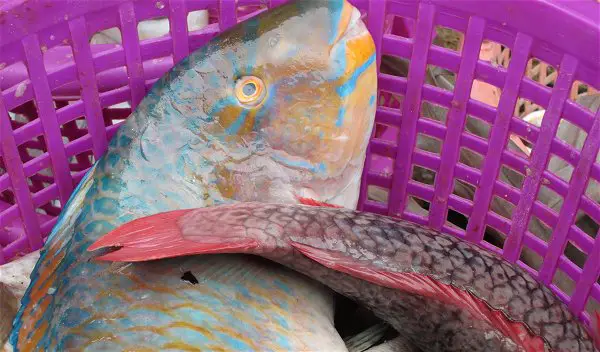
{"points": [[36, 298], [316, 203], [160, 236], [424, 286]]}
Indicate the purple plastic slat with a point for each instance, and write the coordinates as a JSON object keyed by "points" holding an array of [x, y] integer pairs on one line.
{"points": [[498, 137], [47, 114], [456, 122], [376, 22], [179, 30], [131, 44], [14, 167], [411, 108], [568, 211], [539, 158], [227, 14], [587, 280], [82, 56]]}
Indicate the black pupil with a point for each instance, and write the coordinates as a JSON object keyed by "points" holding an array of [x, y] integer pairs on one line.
{"points": [[249, 89]]}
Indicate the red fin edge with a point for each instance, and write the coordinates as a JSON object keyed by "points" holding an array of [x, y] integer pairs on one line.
{"points": [[426, 286], [316, 203], [159, 236]]}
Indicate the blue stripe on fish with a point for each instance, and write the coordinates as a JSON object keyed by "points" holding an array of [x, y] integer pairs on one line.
{"points": [[349, 86], [234, 128], [336, 8], [372, 100], [301, 164], [340, 117]]}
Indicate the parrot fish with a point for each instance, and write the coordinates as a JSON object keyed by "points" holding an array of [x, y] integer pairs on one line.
{"points": [[438, 292], [279, 106]]}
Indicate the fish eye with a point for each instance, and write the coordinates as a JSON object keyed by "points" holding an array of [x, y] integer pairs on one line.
{"points": [[250, 90]]}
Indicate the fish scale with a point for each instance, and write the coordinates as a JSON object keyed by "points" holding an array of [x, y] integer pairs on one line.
{"points": [[175, 152], [439, 292]]}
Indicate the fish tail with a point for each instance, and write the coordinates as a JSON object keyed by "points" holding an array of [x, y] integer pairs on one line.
{"points": [[160, 236]]}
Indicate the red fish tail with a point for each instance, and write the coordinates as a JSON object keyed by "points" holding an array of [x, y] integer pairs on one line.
{"points": [[160, 236]]}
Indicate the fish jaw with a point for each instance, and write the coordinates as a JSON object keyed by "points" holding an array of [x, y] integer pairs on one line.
{"points": [[388, 252]]}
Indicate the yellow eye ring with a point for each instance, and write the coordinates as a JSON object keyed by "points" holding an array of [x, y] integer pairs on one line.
{"points": [[250, 90]]}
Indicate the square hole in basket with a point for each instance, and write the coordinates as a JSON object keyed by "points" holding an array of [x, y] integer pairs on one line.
{"points": [[471, 158], [394, 65], [525, 109], [378, 194], [494, 237], [531, 258], [550, 198], [497, 54], [429, 144], [41, 179], [519, 146], [51, 208], [106, 36], [402, 26], [560, 168], [511, 177], [434, 112], [541, 72], [153, 28], [578, 90], [586, 223], [593, 190], [592, 307], [464, 189], [477, 127], [502, 207], [457, 218], [441, 73], [448, 38], [417, 206], [485, 93], [423, 175], [563, 282], [32, 148], [7, 196], [575, 255], [390, 100], [571, 134], [197, 20], [539, 229]]}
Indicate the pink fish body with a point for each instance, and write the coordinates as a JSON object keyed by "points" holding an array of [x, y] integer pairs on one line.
{"points": [[439, 292]]}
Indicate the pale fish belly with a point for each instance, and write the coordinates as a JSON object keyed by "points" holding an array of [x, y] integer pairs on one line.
{"points": [[230, 303]]}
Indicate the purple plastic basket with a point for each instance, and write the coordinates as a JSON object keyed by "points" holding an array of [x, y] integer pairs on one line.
{"points": [[55, 80]]}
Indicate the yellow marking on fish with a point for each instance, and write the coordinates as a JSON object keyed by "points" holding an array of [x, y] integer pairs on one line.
{"points": [[141, 285], [31, 343], [39, 291], [180, 346]]}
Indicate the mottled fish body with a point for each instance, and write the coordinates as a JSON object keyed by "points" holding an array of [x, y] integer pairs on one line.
{"points": [[439, 292], [278, 106]]}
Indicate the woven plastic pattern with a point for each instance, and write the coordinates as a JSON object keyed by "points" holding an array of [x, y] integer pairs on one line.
{"points": [[57, 114]]}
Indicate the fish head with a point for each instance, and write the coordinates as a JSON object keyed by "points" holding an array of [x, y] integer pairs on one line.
{"points": [[287, 101]]}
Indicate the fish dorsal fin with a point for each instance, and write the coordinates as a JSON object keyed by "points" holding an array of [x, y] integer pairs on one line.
{"points": [[425, 286]]}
